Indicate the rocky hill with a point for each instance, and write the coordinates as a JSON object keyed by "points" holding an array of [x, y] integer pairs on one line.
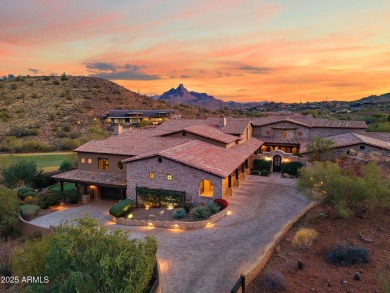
{"points": [[181, 95], [65, 111]]}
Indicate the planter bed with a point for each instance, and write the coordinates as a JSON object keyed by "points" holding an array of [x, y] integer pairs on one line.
{"points": [[162, 221]]}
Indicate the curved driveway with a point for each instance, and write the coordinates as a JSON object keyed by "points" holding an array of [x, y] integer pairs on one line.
{"points": [[212, 259]]}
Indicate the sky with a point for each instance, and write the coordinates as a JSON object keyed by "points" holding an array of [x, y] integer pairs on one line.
{"points": [[245, 51]]}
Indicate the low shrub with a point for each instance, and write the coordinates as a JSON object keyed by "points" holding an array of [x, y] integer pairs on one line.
{"points": [[42, 180], [291, 168], [72, 196], [264, 172], [29, 210], [66, 165], [304, 237], [213, 207], [187, 206], [260, 164], [121, 208], [222, 203], [179, 213], [27, 194], [200, 213], [273, 281], [48, 199], [346, 256], [255, 172], [21, 191], [22, 132]]}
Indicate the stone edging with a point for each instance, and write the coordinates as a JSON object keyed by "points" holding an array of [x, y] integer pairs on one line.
{"points": [[172, 224], [261, 261], [30, 229]]}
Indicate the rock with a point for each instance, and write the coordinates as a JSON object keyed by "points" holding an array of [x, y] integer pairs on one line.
{"points": [[152, 216], [285, 175], [356, 276], [344, 282], [300, 264]]}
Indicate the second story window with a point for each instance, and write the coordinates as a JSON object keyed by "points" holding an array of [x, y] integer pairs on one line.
{"points": [[89, 161], [299, 133], [283, 134], [151, 175], [83, 160], [120, 165], [169, 177], [103, 163]]}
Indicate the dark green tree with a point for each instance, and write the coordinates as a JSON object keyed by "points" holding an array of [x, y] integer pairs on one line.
{"points": [[9, 211], [22, 173]]}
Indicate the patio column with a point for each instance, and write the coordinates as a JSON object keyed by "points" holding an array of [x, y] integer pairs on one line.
{"points": [[62, 185], [85, 189]]}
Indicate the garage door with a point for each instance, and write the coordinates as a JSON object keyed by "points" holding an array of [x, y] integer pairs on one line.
{"points": [[110, 193]]}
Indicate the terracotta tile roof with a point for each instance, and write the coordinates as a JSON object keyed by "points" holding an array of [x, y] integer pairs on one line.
{"points": [[203, 156], [309, 121], [277, 140], [132, 142], [385, 136], [208, 131], [249, 147], [235, 125], [349, 139], [100, 178]]}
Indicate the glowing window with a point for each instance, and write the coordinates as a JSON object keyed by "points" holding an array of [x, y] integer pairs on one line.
{"points": [[89, 161], [169, 176], [151, 175], [102, 163], [83, 160], [120, 165], [283, 134], [206, 188]]}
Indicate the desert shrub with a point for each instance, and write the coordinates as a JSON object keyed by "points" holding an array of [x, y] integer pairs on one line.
{"points": [[213, 207], [9, 211], [200, 213], [29, 210], [346, 256], [179, 213], [72, 196], [31, 146], [34, 96], [64, 76], [4, 115], [56, 82], [69, 144], [27, 194], [320, 148], [46, 78], [264, 172], [329, 183], [273, 281], [21, 191], [291, 168], [260, 164], [20, 173], [187, 206], [121, 208], [42, 180], [13, 86], [48, 199], [66, 165], [22, 132], [222, 203], [5, 260], [304, 237], [30, 83]]}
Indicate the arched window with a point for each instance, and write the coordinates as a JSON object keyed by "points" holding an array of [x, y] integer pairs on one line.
{"points": [[283, 134], [206, 188]]}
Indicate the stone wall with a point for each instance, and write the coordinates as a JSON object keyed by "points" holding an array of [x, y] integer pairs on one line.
{"points": [[268, 130], [184, 178], [367, 150]]}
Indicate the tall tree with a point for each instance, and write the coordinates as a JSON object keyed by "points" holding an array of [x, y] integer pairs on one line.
{"points": [[320, 148]]}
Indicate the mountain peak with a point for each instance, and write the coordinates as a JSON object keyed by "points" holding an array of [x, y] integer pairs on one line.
{"points": [[181, 87]]}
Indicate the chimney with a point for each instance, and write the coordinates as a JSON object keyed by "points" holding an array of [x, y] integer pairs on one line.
{"points": [[224, 121], [118, 129]]}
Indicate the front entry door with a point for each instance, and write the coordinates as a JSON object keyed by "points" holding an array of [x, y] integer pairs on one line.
{"points": [[276, 163]]}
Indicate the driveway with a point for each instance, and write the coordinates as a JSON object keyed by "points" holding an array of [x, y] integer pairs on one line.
{"points": [[212, 259]]}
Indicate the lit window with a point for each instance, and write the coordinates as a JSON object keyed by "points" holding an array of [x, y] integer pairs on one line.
{"points": [[283, 134], [169, 177], [89, 161], [83, 160], [206, 188], [299, 133], [120, 165], [102, 163], [151, 175]]}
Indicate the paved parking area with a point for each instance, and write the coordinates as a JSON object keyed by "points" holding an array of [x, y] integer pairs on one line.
{"points": [[211, 259]]}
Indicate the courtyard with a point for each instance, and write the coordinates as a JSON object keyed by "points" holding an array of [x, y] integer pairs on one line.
{"points": [[211, 259]]}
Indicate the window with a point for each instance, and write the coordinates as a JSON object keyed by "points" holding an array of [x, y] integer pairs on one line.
{"points": [[184, 133], [299, 133], [267, 132], [362, 147], [83, 160], [283, 134], [103, 163], [206, 188], [169, 176], [89, 161], [159, 160], [120, 165], [151, 175]]}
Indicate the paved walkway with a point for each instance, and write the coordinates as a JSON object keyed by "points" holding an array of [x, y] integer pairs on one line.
{"points": [[211, 259]]}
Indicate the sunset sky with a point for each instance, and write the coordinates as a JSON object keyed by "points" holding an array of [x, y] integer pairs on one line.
{"points": [[276, 50]]}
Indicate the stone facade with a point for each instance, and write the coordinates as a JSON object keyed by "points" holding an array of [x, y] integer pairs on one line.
{"points": [[184, 178]]}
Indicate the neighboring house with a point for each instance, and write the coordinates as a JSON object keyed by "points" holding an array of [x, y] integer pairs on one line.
{"points": [[134, 117], [205, 158]]}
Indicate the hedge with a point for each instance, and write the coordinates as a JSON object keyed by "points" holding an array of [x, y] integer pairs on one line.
{"points": [[260, 164], [121, 208], [291, 168], [160, 197]]}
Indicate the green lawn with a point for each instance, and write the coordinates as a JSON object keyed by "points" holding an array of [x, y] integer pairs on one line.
{"points": [[67, 186], [46, 161]]}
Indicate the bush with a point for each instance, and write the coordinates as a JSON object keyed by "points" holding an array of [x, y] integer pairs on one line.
{"points": [[179, 213], [200, 213], [264, 172], [64, 77], [5, 260], [160, 197], [291, 168], [21, 191], [121, 208], [9, 211], [29, 210], [273, 281], [69, 144], [72, 196], [346, 256], [66, 165], [255, 172], [48, 199], [27, 194], [260, 164], [22, 132], [56, 82], [20, 173], [304, 237], [213, 207], [31, 146], [222, 203], [42, 180], [187, 206]]}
